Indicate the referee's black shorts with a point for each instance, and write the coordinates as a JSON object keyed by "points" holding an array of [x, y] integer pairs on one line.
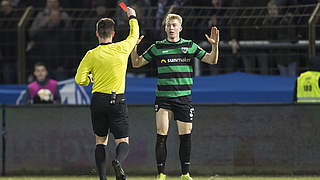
{"points": [[106, 116]]}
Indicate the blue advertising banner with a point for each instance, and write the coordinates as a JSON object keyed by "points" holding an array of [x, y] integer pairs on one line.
{"points": [[225, 88]]}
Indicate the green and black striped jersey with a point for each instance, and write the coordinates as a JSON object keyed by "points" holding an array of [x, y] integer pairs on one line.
{"points": [[174, 62]]}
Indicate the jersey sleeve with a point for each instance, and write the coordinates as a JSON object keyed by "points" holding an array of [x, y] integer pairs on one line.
{"points": [[128, 44], [199, 52], [83, 70], [148, 54]]}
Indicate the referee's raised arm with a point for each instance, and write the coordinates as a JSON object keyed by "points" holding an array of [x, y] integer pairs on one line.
{"points": [[134, 30], [120, 51]]}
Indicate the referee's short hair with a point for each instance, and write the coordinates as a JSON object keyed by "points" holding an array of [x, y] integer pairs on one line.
{"points": [[105, 27]]}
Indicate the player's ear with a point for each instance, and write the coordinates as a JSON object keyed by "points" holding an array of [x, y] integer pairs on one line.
{"points": [[180, 28], [97, 34], [113, 33]]}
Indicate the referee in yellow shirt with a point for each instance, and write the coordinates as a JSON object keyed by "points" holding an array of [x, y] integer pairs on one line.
{"points": [[107, 64]]}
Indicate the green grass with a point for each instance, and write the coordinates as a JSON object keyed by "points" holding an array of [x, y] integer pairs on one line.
{"points": [[153, 178]]}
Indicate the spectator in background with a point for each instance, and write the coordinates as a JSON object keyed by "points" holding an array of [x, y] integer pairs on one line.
{"points": [[91, 3], [249, 3], [42, 3], [88, 37], [161, 12], [43, 90], [121, 21], [181, 3], [43, 17], [143, 9], [26, 3], [286, 2], [51, 35], [308, 1], [147, 17], [14, 3], [284, 57], [216, 19], [8, 42], [254, 60], [307, 85]]}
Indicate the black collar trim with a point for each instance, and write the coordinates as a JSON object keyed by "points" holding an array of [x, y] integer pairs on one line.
{"points": [[173, 42], [105, 43]]}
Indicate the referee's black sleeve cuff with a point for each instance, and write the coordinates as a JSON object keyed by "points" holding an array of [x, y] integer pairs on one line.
{"points": [[132, 17]]}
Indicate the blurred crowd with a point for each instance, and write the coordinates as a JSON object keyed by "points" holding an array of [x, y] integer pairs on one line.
{"points": [[113, 4], [58, 35]]}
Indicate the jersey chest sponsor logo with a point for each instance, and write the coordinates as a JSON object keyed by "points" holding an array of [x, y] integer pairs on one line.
{"points": [[176, 60]]}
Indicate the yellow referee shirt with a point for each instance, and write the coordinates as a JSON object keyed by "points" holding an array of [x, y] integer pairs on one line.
{"points": [[108, 64]]}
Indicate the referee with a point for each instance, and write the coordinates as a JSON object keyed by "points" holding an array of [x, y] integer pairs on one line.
{"points": [[107, 65]]}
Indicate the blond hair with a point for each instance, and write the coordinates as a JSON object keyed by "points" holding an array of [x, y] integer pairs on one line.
{"points": [[173, 16]]}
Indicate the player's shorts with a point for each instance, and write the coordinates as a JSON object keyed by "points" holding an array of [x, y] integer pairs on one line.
{"points": [[106, 116], [181, 107]]}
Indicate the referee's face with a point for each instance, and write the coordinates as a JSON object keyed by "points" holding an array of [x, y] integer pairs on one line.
{"points": [[173, 29]]}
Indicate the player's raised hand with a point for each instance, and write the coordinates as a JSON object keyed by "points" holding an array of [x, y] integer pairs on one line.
{"points": [[131, 12], [214, 37], [139, 40]]}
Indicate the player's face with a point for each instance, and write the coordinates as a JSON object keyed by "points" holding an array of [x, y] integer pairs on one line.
{"points": [[40, 73], [173, 29]]}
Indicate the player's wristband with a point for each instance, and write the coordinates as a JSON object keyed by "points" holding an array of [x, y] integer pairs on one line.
{"points": [[132, 17]]}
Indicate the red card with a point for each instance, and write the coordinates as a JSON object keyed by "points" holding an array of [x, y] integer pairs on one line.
{"points": [[123, 6]]}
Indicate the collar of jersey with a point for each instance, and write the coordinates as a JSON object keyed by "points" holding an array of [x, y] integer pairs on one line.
{"points": [[174, 42], [105, 43]]}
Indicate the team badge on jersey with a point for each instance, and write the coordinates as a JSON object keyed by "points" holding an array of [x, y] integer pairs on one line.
{"points": [[184, 49]]}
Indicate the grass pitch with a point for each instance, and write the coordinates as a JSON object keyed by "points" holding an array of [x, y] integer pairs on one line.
{"points": [[153, 178]]}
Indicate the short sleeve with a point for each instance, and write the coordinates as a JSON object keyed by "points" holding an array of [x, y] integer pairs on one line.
{"points": [[148, 54], [199, 53]]}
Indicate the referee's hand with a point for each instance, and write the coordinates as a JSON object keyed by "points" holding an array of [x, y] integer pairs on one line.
{"points": [[131, 12]]}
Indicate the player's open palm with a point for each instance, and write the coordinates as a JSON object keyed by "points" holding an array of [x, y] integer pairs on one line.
{"points": [[214, 37]]}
